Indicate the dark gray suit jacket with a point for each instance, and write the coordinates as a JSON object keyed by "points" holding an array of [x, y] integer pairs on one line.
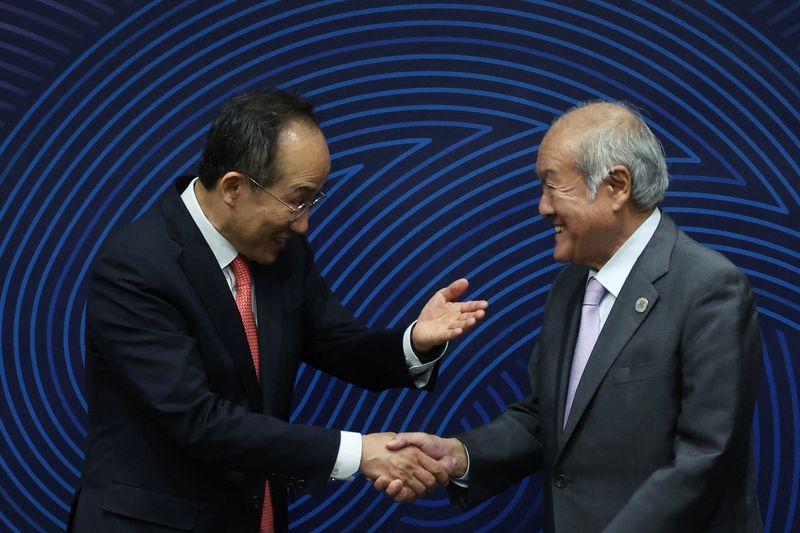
{"points": [[659, 437]]}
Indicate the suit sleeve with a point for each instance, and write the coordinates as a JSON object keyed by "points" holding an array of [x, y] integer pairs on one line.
{"points": [[337, 344], [502, 452], [141, 345], [720, 359]]}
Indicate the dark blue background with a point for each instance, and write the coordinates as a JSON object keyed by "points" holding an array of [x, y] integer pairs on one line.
{"points": [[434, 113]]}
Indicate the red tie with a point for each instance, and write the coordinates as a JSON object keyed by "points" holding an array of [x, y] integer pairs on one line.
{"points": [[244, 302]]}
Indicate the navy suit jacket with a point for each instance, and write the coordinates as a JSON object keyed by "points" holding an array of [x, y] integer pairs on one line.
{"points": [[659, 435], [181, 433]]}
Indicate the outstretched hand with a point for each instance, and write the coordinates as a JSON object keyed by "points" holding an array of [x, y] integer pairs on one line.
{"points": [[443, 318]]}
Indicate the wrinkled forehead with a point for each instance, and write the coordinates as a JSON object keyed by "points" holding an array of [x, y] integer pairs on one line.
{"points": [[556, 151]]}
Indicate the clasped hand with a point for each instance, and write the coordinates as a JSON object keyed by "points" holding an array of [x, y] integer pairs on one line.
{"points": [[409, 465]]}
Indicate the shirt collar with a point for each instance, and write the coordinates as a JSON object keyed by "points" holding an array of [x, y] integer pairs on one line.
{"points": [[614, 273], [223, 250]]}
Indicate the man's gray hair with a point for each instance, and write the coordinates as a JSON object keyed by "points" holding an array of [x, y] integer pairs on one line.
{"points": [[627, 142]]}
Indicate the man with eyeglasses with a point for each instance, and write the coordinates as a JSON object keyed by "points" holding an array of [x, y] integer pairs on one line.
{"points": [[198, 316]]}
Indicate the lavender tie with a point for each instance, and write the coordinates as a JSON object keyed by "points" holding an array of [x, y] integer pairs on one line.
{"points": [[587, 337]]}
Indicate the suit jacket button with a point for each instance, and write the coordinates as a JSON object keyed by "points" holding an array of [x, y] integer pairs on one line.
{"points": [[560, 481], [256, 501]]}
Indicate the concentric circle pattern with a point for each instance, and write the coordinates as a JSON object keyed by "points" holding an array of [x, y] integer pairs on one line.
{"points": [[434, 113]]}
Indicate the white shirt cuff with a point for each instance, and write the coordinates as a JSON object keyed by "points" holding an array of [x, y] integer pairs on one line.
{"points": [[349, 458], [416, 369], [463, 481]]}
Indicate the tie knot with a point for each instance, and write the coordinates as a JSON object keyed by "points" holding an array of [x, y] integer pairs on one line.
{"points": [[241, 270], [594, 292]]}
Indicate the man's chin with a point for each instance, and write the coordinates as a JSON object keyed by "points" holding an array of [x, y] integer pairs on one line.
{"points": [[268, 254], [262, 257], [266, 258], [560, 257]]}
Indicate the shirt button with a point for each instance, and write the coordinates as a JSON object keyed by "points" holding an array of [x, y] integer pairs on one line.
{"points": [[560, 481]]}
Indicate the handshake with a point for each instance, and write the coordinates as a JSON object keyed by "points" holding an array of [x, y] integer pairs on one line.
{"points": [[408, 465]]}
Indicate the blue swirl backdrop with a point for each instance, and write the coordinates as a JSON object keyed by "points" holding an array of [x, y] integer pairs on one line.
{"points": [[434, 113]]}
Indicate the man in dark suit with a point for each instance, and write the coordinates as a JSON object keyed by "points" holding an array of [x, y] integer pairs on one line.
{"points": [[645, 372], [198, 316]]}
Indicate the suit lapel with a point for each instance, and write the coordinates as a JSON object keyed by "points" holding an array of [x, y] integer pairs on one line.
{"points": [[623, 320], [201, 268], [269, 290], [621, 324]]}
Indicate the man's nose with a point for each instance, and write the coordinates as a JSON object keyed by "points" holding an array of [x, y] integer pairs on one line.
{"points": [[545, 206], [300, 226]]}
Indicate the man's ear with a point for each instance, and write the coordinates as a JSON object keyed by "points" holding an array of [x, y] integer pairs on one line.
{"points": [[231, 186], [619, 184]]}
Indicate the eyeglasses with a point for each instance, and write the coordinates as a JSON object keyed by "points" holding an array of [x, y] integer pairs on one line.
{"points": [[297, 211]]}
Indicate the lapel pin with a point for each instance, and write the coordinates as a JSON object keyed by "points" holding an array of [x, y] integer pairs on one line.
{"points": [[641, 305]]}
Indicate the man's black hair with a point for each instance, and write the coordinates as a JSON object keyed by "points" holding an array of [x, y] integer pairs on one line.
{"points": [[245, 132]]}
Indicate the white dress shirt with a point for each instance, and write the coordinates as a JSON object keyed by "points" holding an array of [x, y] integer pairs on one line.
{"points": [[349, 457], [615, 272]]}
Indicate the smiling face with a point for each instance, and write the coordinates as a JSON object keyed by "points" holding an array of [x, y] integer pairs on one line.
{"points": [[587, 231], [256, 223]]}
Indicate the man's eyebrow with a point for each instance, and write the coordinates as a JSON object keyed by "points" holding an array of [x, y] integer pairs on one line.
{"points": [[304, 189]]}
